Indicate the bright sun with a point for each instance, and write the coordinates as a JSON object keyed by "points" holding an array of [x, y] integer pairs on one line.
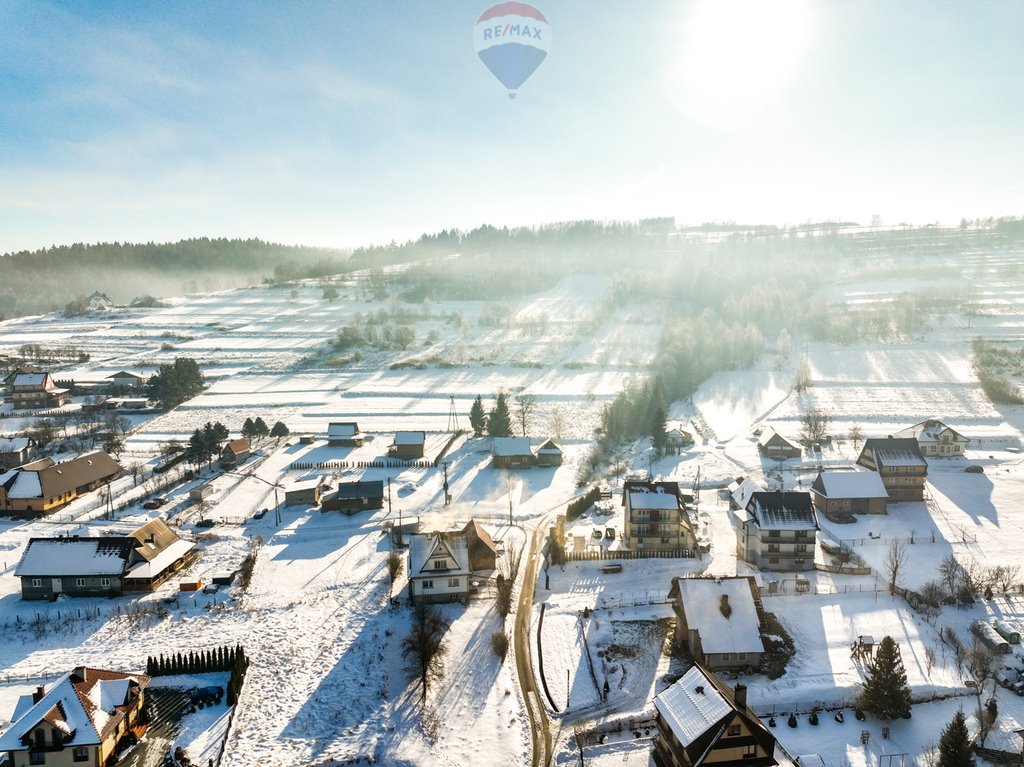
{"points": [[737, 56]]}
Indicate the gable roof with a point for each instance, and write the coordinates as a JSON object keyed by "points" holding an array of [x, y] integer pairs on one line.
{"points": [[550, 448], [424, 546], [62, 557], [701, 599], [14, 444], [476, 537], [790, 510], [893, 451], [849, 484], [46, 479], [362, 489], [743, 490], [508, 447], [691, 713], [929, 431], [410, 437], [342, 429], [237, 446], [125, 374], [770, 436], [86, 705]]}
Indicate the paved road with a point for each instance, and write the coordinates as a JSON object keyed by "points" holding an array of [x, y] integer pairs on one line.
{"points": [[540, 726]]}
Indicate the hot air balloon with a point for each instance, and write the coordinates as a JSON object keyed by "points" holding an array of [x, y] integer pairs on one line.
{"points": [[512, 40]]}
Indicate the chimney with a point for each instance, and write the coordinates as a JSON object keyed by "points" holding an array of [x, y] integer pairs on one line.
{"points": [[740, 697], [38, 694], [699, 689], [725, 607], [82, 673]]}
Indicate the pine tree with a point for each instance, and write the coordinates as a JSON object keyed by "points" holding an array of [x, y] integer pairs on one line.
{"points": [[499, 422], [886, 693], [659, 438], [260, 428], [248, 428], [279, 430], [955, 744], [477, 417]]}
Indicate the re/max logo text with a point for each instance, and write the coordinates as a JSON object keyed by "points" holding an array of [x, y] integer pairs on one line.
{"points": [[510, 30]]}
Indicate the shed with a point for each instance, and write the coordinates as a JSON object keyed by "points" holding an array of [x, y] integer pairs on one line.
{"points": [[304, 492], [549, 454], [408, 445], [1006, 631], [990, 637]]}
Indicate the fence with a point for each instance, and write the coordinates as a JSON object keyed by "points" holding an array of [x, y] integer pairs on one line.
{"points": [[386, 463], [590, 556]]}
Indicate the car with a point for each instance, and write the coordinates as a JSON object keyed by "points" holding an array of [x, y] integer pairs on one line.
{"points": [[210, 588], [597, 533], [154, 503], [205, 523], [609, 533], [260, 514], [975, 469]]}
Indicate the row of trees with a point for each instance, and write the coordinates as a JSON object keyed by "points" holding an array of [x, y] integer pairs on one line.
{"points": [[174, 383], [498, 422]]}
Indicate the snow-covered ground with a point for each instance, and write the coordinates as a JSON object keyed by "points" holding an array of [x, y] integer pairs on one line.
{"points": [[328, 683]]}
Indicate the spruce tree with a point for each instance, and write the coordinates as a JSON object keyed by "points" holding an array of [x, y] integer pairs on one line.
{"points": [[260, 428], [499, 422], [279, 430], [886, 693], [659, 438], [248, 428], [477, 417], [955, 744]]}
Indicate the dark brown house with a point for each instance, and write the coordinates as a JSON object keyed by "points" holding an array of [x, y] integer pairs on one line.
{"points": [[900, 464], [483, 554], [235, 453], [774, 445], [408, 445], [353, 497]]}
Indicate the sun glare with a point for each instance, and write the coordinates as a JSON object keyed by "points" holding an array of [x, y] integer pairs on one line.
{"points": [[738, 56]]}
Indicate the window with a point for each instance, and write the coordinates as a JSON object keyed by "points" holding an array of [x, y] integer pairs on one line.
{"points": [[80, 582], [734, 730], [428, 584], [801, 533], [36, 757], [750, 751], [81, 754], [37, 582], [453, 583], [773, 547], [440, 564], [104, 582], [773, 533], [664, 540], [800, 547]]}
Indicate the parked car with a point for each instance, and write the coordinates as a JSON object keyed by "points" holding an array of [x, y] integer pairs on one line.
{"points": [[154, 503], [260, 514], [609, 533], [205, 523], [597, 533]]}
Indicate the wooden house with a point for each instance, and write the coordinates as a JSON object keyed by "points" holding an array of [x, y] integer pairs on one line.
{"points": [[719, 621], [935, 439], [899, 463], [157, 554], [549, 454], [125, 380], [677, 438], [99, 301], [773, 445], [701, 721], [304, 492], [42, 487], [80, 719], [512, 453], [353, 497], [408, 445], [854, 492], [344, 434], [483, 554]]}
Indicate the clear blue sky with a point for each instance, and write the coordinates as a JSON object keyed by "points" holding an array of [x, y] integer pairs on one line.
{"points": [[343, 123]]}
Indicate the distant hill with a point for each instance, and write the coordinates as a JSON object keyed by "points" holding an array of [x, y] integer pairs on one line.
{"points": [[32, 282]]}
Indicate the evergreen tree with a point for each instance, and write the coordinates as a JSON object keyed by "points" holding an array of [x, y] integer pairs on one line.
{"points": [[198, 449], [279, 430], [477, 417], [248, 428], [955, 744], [260, 427], [173, 384], [659, 438], [499, 422], [886, 693]]}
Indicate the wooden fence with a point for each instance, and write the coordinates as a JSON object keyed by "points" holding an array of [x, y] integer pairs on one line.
{"points": [[385, 463]]}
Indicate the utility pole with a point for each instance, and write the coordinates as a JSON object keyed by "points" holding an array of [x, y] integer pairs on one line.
{"points": [[447, 497]]}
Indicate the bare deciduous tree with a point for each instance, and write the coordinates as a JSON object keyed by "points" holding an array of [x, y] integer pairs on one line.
{"points": [[856, 435], [895, 562], [424, 648], [508, 573], [394, 567], [525, 405], [813, 425]]}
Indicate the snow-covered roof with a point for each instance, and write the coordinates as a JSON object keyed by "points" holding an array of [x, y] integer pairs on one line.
{"points": [[30, 379], [741, 495], [782, 511], [125, 374], [930, 431], [702, 599], [641, 499], [423, 547], [82, 704], [301, 485], [345, 429], [768, 434], [21, 484], [163, 560], [410, 437], [899, 451], [73, 557], [512, 446], [549, 448], [689, 713], [14, 444], [850, 484]]}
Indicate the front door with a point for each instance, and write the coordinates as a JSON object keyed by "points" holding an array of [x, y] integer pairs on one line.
{"points": [[58, 585]]}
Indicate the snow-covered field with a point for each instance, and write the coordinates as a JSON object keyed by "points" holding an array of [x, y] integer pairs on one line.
{"points": [[328, 683]]}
